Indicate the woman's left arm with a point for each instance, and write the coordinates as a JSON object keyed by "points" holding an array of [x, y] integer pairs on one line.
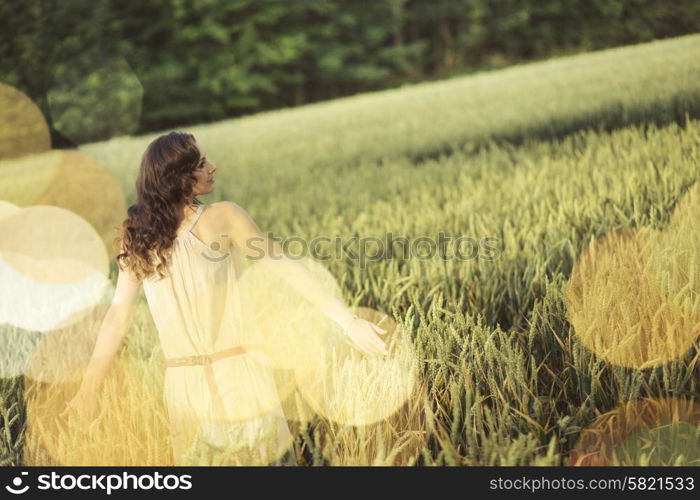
{"points": [[255, 245]]}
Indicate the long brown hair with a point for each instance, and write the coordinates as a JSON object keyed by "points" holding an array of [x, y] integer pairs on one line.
{"points": [[164, 185]]}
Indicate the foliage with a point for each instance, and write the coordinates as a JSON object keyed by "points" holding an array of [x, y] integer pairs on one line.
{"points": [[201, 61]]}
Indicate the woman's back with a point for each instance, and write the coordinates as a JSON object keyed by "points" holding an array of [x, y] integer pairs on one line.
{"points": [[199, 309], [195, 306]]}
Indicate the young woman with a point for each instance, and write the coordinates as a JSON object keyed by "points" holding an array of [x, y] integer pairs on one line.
{"points": [[188, 256]]}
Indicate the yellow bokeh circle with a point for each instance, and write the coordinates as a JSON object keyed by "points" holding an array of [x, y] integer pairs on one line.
{"points": [[352, 388], [651, 431], [619, 311], [23, 128]]}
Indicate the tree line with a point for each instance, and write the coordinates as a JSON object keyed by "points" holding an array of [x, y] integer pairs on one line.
{"points": [[204, 60]]}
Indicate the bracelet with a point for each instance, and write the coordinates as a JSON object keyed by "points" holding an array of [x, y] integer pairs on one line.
{"points": [[347, 327]]}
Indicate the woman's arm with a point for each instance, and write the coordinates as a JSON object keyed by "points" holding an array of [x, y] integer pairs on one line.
{"points": [[253, 243], [113, 329], [110, 336]]}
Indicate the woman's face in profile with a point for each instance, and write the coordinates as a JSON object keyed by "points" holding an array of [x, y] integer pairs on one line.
{"points": [[204, 173]]}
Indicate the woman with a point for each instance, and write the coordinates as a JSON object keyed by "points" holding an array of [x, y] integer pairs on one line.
{"points": [[189, 257]]}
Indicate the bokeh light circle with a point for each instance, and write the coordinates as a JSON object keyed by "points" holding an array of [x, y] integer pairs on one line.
{"points": [[130, 429], [352, 388], [52, 265], [395, 441], [67, 179], [60, 350], [23, 128], [675, 255], [292, 331], [651, 431], [618, 311]]}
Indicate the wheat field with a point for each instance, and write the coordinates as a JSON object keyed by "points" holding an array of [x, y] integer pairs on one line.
{"points": [[515, 353]]}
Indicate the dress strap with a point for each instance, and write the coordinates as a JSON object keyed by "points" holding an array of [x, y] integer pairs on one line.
{"points": [[195, 217]]}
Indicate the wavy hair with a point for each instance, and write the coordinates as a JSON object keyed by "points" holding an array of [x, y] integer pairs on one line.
{"points": [[164, 185]]}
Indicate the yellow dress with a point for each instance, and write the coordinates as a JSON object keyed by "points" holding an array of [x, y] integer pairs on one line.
{"points": [[234, 417]]}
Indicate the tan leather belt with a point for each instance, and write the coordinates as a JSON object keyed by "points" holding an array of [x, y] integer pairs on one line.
{"points": [[207, 360]]}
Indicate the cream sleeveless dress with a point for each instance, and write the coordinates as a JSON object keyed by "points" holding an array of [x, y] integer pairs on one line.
{"points": [[201, 308]]}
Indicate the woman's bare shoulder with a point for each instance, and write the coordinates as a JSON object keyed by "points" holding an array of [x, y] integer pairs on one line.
{"points": [[225, 205], [236, 221], [229, 212]]}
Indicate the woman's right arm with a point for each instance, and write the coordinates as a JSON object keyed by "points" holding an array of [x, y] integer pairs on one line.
{"points": [[113, 329], [109, 338]]}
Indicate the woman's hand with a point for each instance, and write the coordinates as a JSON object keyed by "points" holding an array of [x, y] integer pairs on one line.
{"points": [[364, 335], [83, 404]]}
